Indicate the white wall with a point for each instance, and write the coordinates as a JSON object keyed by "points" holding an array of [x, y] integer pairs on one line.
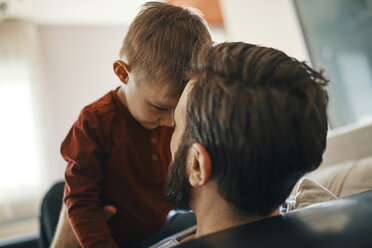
{"points": [[77, 66], [75, 12], [272, 23]]}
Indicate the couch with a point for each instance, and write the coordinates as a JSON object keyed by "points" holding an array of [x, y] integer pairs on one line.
{"points": [[345, 222]]}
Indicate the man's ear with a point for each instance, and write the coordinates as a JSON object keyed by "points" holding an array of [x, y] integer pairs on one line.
{"points": [[121, 70], [200, 165]]}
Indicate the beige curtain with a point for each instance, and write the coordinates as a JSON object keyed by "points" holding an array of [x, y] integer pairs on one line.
{"points": [[21, 135]]}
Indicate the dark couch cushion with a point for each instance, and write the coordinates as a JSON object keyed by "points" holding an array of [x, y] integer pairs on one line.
{"points": [[345, 222], [30, 241]]}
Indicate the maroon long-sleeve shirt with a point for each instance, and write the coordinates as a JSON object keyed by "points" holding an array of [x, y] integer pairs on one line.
{"points": [[113, 160]]}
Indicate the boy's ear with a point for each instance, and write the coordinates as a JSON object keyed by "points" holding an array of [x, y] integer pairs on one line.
{"points": [[200, 165], [121, 70]]}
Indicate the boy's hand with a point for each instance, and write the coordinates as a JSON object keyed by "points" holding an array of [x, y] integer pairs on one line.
{"points": [[109, 211]]}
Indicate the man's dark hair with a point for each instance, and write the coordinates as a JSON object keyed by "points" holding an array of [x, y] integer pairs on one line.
{"points": [[261, 115]]}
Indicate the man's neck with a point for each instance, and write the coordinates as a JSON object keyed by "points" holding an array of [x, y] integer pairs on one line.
{"points": [[214, 214], [211, 220]]}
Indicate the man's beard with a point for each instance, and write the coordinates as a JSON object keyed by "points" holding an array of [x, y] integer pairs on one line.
{"points": [[178, 189]]}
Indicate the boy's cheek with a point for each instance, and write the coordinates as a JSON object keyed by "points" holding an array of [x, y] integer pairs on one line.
{"points": [[150, 117], [143, 114]]}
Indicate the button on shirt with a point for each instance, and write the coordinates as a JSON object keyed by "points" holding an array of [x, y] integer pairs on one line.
{"points": [[154, 157], [153, 140]]}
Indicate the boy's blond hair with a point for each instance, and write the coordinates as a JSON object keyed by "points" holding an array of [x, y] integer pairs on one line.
{"points": [[160, 43]]}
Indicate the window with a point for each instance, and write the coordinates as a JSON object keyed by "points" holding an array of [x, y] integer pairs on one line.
{"points": [[20, 149], [339, 38], [20, 170]]}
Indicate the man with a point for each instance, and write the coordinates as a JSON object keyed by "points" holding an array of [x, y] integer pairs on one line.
{"points": [[249, 124]]}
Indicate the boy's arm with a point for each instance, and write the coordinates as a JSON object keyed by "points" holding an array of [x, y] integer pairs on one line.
{"points": [[64, 236], [83, 151]]}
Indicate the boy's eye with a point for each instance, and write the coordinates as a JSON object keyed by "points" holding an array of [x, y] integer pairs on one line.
{"points": [[160, 109]]}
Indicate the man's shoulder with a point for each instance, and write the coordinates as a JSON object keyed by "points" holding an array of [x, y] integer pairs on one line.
{"points": [[175, 239]]}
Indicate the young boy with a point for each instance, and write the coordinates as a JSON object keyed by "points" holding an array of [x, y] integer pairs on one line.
{"points": [[118, 149]]}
